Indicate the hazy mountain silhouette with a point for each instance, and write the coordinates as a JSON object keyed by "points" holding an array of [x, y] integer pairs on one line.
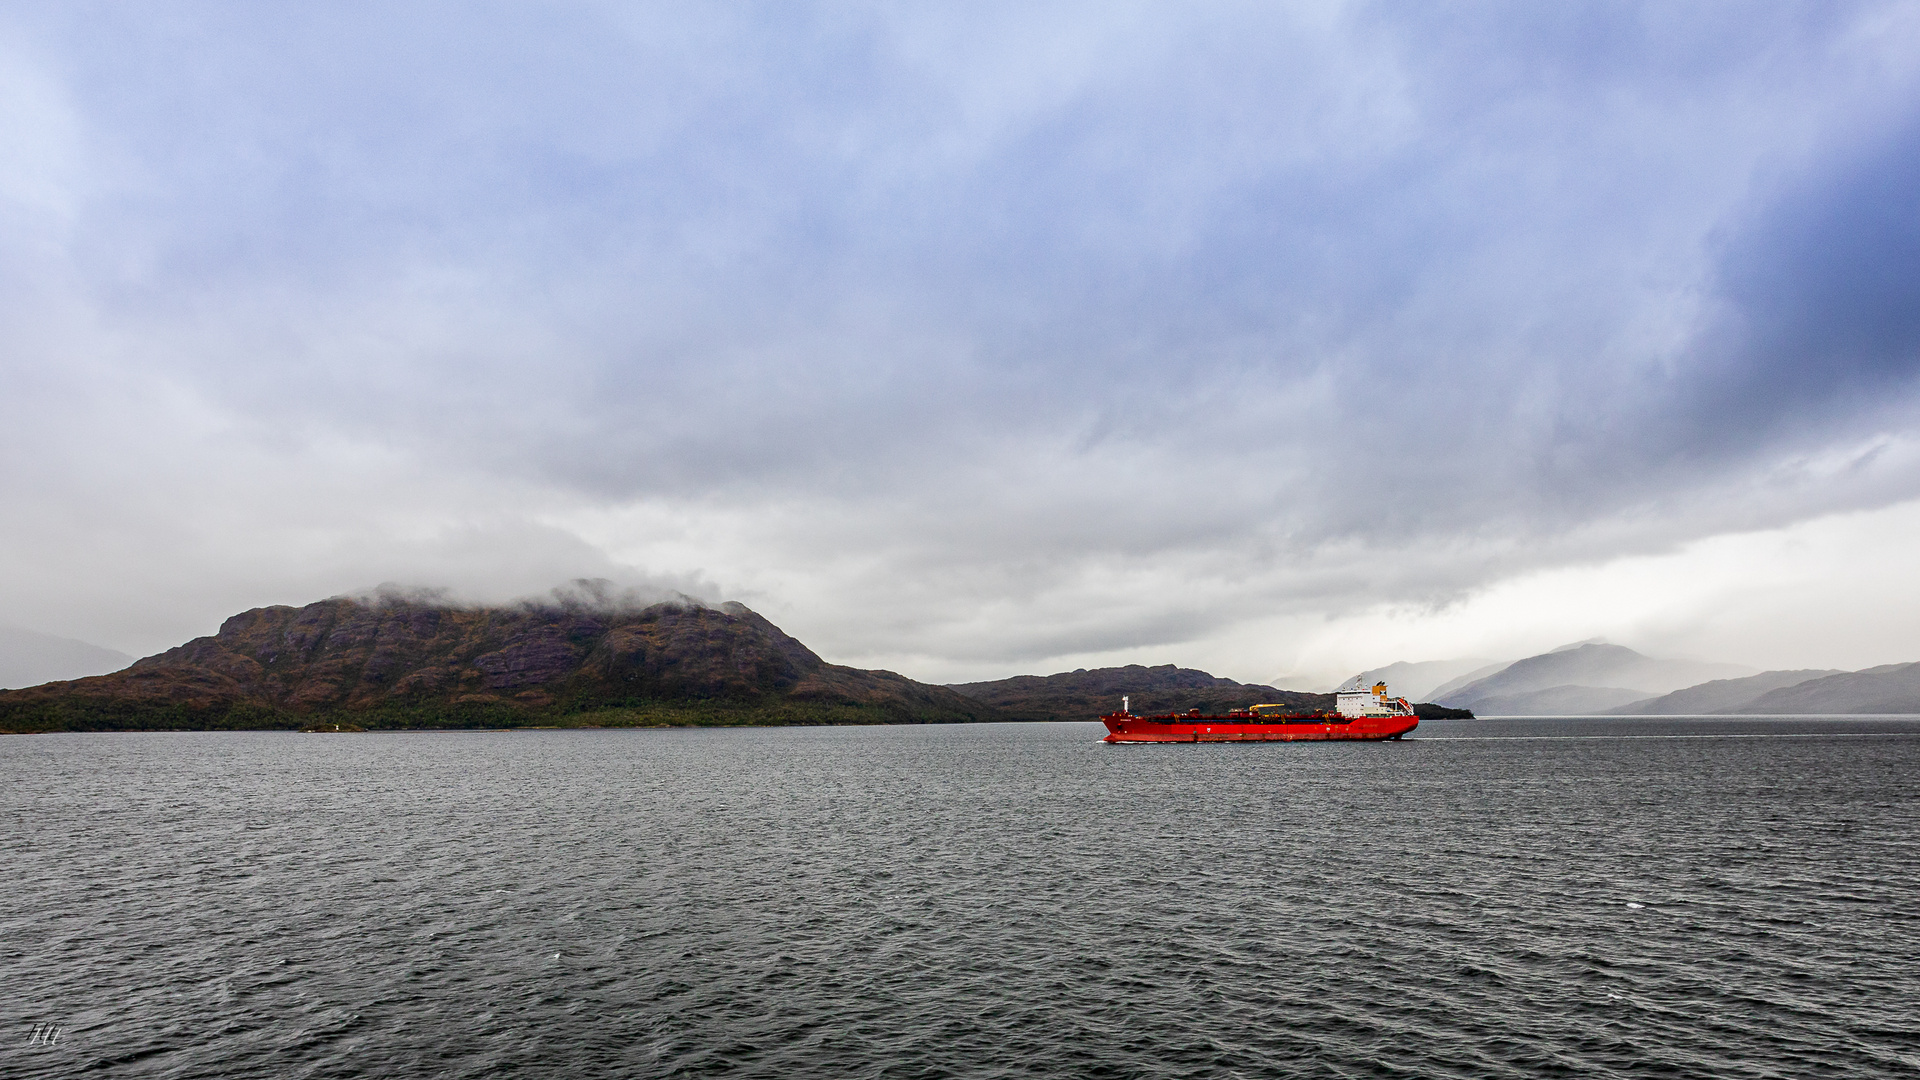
{"points": [[1558, 701], [28, 658], [1890, 688], [1420, 680], [1585, 678], [1720, 695], [1440, 693]]}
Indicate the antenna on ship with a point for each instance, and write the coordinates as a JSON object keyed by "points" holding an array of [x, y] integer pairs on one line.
{"points": [[1123, 705]]}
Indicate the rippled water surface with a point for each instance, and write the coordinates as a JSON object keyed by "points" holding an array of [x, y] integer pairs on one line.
{"points": [[1490, 898]]}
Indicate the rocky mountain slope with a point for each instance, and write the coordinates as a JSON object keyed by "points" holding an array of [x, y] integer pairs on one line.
{"points": [[393, 662], [1086, 695]]}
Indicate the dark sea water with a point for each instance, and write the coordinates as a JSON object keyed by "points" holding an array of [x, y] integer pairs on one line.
{"points": [[1686, 898]]}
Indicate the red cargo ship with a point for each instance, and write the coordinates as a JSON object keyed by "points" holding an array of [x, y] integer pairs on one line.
{"points": [[1361, 713]]}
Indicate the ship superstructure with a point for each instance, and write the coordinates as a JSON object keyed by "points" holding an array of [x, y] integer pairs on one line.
{"points": [[1370, 701]]}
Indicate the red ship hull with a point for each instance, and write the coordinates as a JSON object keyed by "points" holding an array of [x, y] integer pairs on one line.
{"points": [[1176, 728]]}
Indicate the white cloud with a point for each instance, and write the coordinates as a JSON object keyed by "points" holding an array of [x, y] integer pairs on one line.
{"points": [[1836, 591]]}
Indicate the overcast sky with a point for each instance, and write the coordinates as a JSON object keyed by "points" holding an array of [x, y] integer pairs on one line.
{"points": [[976, 340]]}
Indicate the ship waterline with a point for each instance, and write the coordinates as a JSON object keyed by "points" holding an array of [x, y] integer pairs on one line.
{"points": [[1235, 727], [1362, 714]]}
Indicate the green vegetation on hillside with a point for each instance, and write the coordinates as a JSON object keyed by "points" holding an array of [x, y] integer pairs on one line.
{"points": [[24, 718]]}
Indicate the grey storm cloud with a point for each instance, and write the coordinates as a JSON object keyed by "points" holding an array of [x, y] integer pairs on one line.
{"points": [[1345, 303], [1823, 291]]}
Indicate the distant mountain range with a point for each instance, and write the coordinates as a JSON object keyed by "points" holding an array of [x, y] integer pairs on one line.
{"points": [[581, 659], [1584, 679], [1591, 678], [1720, 695], [1418, 681], [29, 659], [1890, 688], [391, 662]]}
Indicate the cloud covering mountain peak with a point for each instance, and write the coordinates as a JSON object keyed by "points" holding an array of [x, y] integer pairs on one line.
{"points": [[1060, 334]]}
